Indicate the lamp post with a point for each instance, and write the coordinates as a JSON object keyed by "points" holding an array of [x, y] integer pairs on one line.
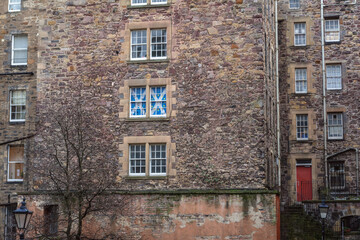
{"points": [[22, 216], [323, 208]]}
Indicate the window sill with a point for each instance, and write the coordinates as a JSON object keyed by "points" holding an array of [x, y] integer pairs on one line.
{"points": [[15, 182], [330, 43], [147, 119], [335, 139], [145, 177], [148, 6], [17, 123], [148, 61]]}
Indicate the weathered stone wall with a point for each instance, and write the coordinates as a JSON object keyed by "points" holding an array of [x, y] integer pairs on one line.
{"points": [[184, 216]]}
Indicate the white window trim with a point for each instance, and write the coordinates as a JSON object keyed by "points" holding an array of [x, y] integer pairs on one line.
{"points": [[302, 139], [13, 51], [131, 44], [16, 120], [342, 126], [158, 3], [334, 88], [136, 174], [8, 167], [338, 30], [301, 80], [294, 7], [150, 44], [9, 10], [157, 174], [299, 34], [148, 102], [138, 4]]}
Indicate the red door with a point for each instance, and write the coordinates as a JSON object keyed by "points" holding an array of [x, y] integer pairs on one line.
{"points": [[303, 183]]}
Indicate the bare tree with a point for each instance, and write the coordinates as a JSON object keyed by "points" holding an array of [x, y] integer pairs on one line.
{"points": [[76, 162]]}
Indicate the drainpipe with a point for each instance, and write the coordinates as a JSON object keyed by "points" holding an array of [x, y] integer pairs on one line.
{"points": [[357, 170], [324, 93], [277, 92]]}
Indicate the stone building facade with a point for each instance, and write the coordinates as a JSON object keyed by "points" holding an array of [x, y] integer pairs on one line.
{"points": [[192, 77], [319, 107]]}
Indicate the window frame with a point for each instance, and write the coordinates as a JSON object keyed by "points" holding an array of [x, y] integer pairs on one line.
{"points": [[148, 2], [327, 77], [298, 128], [13, 49], [329, 31], [151, 44], [148, 114], [301, 80], [298, 5], [8, 179], [148, 159], [296, 34], [131, 45], [335, 125], [10, 105], [9, 10]]}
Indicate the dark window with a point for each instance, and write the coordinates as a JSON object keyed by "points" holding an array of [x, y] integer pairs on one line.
{"points": [[51, 216], [337, 175], [351, 224]]}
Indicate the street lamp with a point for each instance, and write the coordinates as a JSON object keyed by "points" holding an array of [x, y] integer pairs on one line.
{"points": [[22, 216], [323, 208]]}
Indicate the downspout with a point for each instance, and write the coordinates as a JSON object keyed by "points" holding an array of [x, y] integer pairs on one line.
{"points": [[357, 170], [277, 93], [324, 93]]}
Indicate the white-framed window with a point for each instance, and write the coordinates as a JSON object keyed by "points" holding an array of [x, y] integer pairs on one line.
{"points": [[19, 50], [155, 165], [138, 45], [17, 105], [337, 175], [15, 163], [335, 126], [301, 80], [137, 159], [140, 103], [332, 30], [333, 76], [294, 4], [300, 34], [145, 2], [302, 127], [157, 159], [158, 44], [14, 5]]}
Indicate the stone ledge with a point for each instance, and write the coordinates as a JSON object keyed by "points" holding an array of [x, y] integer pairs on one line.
{"points": [[148, 6], [148, 61], [147, 119], [145, 177]]}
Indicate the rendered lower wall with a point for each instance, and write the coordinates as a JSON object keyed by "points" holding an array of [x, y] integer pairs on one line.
{"points": [[186, 217]]}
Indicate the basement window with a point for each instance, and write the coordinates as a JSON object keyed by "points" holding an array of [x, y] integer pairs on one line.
{"points": [[337, 175], [14, 5]]}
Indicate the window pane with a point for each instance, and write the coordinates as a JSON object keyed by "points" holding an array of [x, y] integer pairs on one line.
{"points": [[302, 127], [137, 159], [16, 162], [158, 101], [301, 80], [335, 126], [138, 102], [138, 2], [17, 105], [300, 34], [14, 5], [158, 159], [158, 43], [294, 3], [138, 44], [333, 76]]}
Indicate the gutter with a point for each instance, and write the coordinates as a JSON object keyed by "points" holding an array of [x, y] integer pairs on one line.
{"points": [[277, 94], [18, 139]]}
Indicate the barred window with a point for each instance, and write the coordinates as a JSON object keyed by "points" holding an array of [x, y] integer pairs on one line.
{"points": [[19, 50], [335, 126], [294, 4], [300, 34], [337, 175], [301, 80], [137, 160], [158, 159], [332, 30], [17, 105], [302, 127], [333, 77]]}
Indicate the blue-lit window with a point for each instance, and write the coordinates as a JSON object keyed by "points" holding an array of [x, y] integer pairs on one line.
{"points": [[138, 102], [158, 101]]}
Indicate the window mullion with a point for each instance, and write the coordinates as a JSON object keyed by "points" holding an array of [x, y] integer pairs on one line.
{"points": [[148, 101], [147, 159]]}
